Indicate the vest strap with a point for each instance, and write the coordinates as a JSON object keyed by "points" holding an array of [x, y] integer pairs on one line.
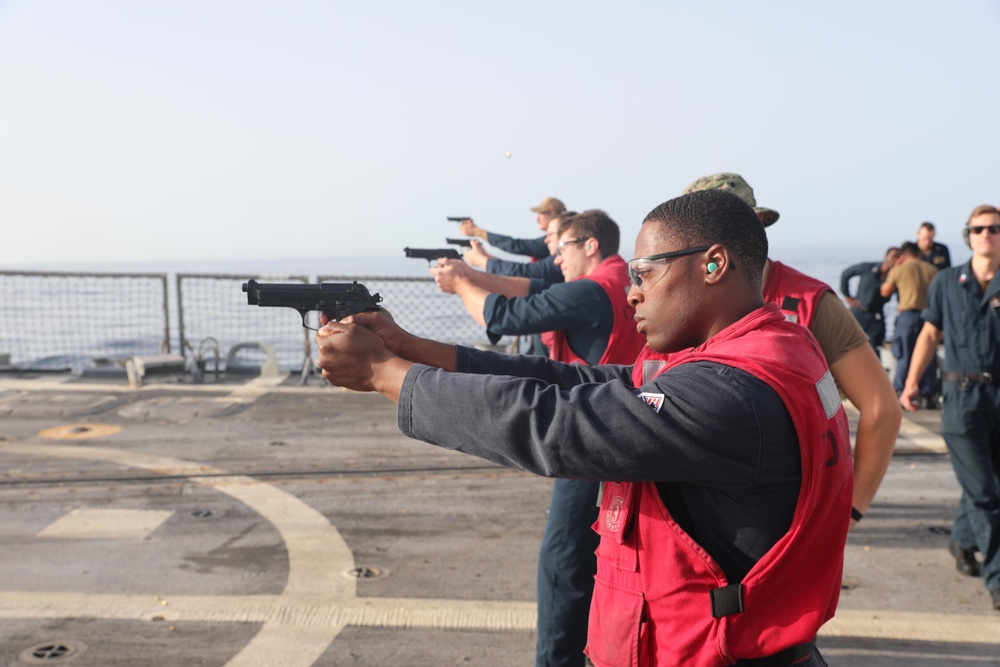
{"points": [[727, 600], [789, 656], [790, 303]]}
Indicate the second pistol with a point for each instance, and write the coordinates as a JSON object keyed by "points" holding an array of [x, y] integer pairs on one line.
{"points": [[431, 254]]}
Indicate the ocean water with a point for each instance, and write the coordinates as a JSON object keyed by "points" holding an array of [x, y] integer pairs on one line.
{"points": [[823, 264]]}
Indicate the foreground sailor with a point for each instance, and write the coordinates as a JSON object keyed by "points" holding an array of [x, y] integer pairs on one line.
{"points": [[727, 476]]}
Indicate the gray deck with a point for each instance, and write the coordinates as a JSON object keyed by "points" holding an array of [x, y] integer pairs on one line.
{"points": [[223, 524]]}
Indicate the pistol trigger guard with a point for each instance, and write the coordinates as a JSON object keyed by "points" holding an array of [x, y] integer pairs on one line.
{"points": [[303, 314]]}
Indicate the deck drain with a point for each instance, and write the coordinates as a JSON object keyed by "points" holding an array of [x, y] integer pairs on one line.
{"points": [[366, 573], [52, 653]]}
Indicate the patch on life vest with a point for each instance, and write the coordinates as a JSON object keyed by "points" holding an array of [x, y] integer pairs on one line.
{"points": [[613, 517], [829, 395], [653, 400]]}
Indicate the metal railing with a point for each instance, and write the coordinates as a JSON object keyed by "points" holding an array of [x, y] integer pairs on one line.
{"points": [[421, 308], [66, 320], [212, 313], [57, 320]]}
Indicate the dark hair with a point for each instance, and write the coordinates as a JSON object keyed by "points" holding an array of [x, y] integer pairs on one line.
{"points": [[910, 248], [707, 217], [597, 224], [565, 220], [979, 210], [929, 226], [891, 249]]}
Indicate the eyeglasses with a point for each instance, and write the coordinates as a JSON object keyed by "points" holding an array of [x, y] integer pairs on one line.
{"points": [[639, 267], [978, 229], [559, 248]]}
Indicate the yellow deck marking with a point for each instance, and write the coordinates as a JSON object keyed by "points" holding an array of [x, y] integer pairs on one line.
{"points": [[79, 431]]}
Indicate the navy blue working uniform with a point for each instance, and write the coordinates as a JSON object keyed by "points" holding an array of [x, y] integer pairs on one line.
{"points": [[580, 308], [970, 421], [870, 314], [536, 248], [542, 274], [545, 271], [938, 256], [566, 561]]}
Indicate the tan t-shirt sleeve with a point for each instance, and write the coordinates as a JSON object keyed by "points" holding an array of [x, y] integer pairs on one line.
{"points": [[835, 329], [892, 277]]}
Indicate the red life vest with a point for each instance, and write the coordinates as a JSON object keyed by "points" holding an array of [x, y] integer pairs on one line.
{"points": [[624, 342], [660, 599], [795, 293]]}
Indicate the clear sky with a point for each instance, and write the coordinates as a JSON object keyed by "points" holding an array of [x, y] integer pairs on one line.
{"points": [[232, 129]]}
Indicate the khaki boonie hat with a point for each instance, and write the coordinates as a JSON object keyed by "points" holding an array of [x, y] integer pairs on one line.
{"points": [[734, 183], [550, 204]]}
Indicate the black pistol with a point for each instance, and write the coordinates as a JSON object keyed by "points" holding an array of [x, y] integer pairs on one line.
{"points": [[335, 300], [458, 218], [431, 254], [465, 243]]}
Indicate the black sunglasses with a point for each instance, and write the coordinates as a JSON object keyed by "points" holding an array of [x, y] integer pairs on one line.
{"points": [[978, 229]]}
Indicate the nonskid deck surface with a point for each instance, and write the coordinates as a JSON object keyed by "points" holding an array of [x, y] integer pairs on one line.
{"points": [[266, 522]]}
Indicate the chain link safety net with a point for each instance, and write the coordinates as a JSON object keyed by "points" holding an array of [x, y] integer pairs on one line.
{"points": [[213, 315], [71, 321], [421, 308], [59, 321]]}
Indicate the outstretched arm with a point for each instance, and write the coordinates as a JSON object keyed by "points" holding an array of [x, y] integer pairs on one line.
{"points": [[455, 277], [355, 357], [476, 256], [508, 286], [401, 343], [469, 228]]}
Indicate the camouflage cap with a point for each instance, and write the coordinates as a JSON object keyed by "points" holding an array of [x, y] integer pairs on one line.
{"points": [[550, 205], [734, 183]]}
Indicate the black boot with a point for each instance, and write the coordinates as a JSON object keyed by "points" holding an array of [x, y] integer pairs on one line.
{"points": [[965, 561]]}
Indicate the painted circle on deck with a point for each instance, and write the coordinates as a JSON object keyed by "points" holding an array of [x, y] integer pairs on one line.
{"points": [[79, 431]]}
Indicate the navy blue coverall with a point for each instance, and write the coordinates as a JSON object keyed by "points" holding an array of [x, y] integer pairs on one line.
{"points": [[870, 315], [970, 421]]}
